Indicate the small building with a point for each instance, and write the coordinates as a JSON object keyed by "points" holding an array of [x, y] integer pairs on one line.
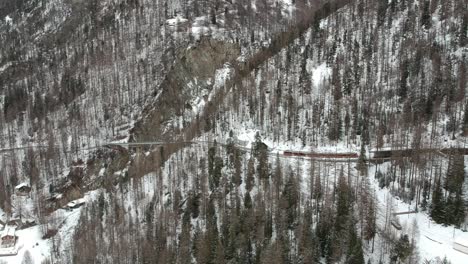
{"points": [[75, 204], [461, 245], [8, 237], [23, 189]]}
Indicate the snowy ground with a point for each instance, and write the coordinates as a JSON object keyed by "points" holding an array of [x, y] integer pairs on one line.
{"points": [[29, 239], [433, 240], [246, 137]]}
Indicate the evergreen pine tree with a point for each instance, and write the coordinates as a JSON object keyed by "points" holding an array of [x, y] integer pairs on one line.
{"points": [[212, 235], [370, 227], [249, 181], [458, 209], [217, 171], [455, 174], [278, 176], [289, 201], [426, 16], [324, 232], [381, 10], [449, 210], [343, 204], [401, 250], [465, 120], [317, 194], [404, 74], [362, 161], [438, 203], [211, 158], [343, 218], [247, 201], [237, 176], [261, 154], [463, 38], [425, 195], [355, 254], [306, 238], [193, 204]]}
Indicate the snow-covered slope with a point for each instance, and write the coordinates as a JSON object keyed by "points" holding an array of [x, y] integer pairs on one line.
{"points": [[271, 76]]}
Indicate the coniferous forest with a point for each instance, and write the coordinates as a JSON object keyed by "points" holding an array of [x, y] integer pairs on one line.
{"points": [[234, 131]]}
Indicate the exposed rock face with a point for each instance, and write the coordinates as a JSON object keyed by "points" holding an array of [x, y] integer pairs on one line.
{"points": [[338, 75], [191, 76]]}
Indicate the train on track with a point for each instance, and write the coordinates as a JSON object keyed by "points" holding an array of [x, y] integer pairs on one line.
{"points": [[347, 155], [374, 155]]}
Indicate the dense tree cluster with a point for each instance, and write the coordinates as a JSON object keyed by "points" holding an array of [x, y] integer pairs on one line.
{"points": [[275, 221], [448, 206], [372, 75]]}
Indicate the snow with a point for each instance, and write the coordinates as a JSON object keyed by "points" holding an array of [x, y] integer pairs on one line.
{"points": [[176, 21], [3, 216], [9, 231], [102, 171], [21, 185], [25, 207], [433, 240], [246, 137], [29, 239], [288, 6], [58, 196], [460, 52], [66, 222], [8, 20], [222, 75], [5, 66], [69, 141], [461, 241], [200, 27], [76, 202], [323, 23], [8, 251], [320, 73]]}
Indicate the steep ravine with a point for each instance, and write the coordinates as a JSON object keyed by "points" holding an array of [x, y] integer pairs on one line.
{"points": [[199, 62]]}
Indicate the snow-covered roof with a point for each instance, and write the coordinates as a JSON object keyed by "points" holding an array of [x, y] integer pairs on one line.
{"points": [[21, 185], [76, 202], [175, 21], [8, 20], [9, 231]]}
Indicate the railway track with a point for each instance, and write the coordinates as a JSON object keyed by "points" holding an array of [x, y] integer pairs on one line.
{"points": [[324, 157], [376, 156]]}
